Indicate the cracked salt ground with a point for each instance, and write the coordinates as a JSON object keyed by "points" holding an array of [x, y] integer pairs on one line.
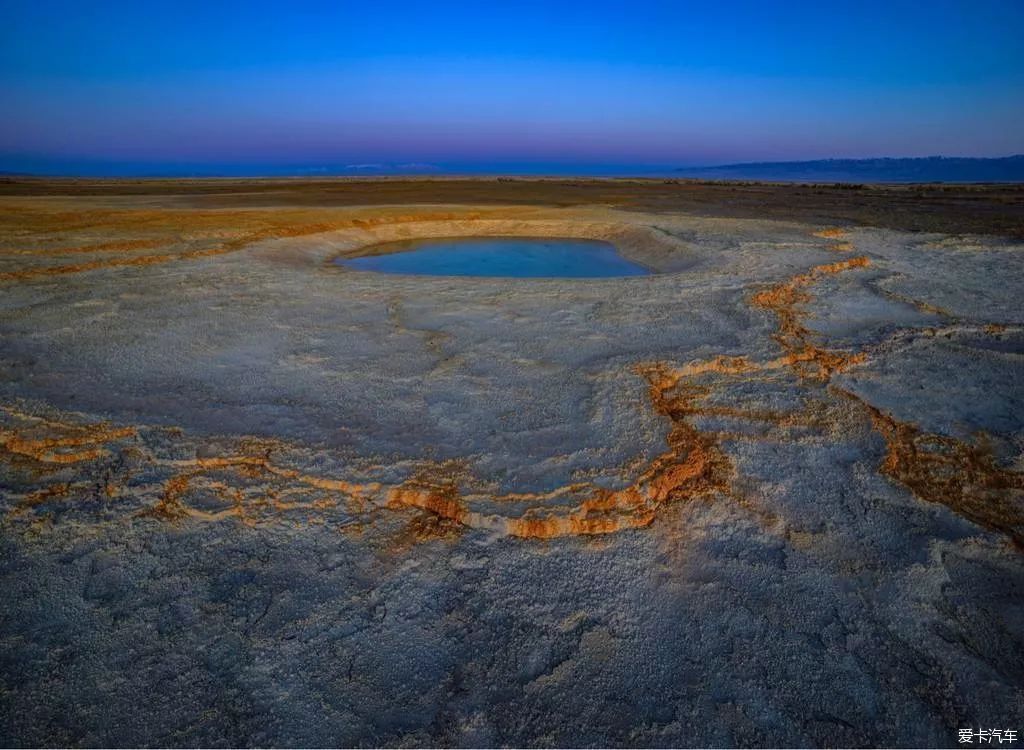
{"points": [[431, 510]]}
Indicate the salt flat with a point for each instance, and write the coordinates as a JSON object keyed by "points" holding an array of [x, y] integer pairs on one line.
{"points": [[770, 495]]}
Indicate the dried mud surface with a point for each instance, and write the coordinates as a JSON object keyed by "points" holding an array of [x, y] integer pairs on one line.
{"points": [[772, 495]]}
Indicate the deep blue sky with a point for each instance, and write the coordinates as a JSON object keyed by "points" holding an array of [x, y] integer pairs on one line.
{"points": [[306, 85]]}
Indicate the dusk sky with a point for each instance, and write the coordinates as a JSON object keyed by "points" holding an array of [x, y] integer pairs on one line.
{"points": [[475, 85]]}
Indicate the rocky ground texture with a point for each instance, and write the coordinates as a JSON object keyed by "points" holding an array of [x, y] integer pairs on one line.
{"points": [[771, 495]]}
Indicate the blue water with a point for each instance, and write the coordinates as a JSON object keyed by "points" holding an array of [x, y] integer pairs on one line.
{"points": [[510, 257]]}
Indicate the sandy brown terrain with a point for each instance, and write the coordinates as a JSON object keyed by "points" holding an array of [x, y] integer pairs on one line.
{"points": [[982, 209], [771, 495]]}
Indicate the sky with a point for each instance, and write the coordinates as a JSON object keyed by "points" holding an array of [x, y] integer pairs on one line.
{"points": [[307, 87]]}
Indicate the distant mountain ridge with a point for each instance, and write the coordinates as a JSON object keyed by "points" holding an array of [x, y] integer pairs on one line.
{"points": [[917, 169]]}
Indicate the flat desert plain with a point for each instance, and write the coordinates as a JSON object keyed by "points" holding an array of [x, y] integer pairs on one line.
{"points": [[771, 494]]}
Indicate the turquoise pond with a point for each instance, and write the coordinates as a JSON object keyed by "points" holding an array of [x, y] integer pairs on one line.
{"points": [[507, 257]]}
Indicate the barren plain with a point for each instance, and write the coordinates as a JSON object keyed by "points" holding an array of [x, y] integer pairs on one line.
{"points": [[772, 495]]}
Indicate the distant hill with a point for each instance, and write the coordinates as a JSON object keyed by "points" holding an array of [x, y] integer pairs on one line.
{"points": [[926, 169]]}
